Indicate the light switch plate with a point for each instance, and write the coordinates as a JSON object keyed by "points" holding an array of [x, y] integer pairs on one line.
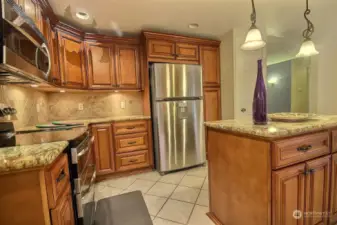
{"points": [[80, 106]]}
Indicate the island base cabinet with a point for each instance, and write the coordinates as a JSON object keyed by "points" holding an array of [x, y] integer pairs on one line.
{"points": [[63, 214], [301, 193], [333, 196]]}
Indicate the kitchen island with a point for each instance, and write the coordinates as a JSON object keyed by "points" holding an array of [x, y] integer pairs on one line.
{"points": [[275, 174]]}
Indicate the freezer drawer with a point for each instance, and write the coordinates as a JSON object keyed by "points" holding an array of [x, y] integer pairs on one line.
{"points": [[176, 81], [179, 134]]}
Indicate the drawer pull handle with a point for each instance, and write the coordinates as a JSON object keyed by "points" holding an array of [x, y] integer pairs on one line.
{"points": [[304, 148], [61, 176], [130, 128], [309, 171], [132, 142], [133, 160]]}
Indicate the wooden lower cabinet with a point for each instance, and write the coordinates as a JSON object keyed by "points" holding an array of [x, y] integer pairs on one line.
{"points": [[63, 214], [123, 146], [288, 190], [104, 152], [333, 188], [212, 104]]}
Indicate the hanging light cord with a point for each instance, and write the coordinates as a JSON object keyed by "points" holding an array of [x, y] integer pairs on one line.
{"points": [[310, 28], [253, 15]]}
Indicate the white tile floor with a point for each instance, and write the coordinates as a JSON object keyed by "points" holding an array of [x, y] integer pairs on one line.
{"points": [[179, 198]]}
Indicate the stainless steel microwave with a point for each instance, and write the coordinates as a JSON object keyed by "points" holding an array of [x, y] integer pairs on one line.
{"points": [[24, 57]]}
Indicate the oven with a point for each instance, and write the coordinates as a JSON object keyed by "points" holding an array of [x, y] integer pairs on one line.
{"points": [[83, 173]]}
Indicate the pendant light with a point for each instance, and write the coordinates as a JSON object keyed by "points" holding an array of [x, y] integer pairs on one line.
{"points": [[254, 39], [308, 46]]}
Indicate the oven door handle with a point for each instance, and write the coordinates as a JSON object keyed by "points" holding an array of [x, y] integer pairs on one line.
{"points": [[81, 153], [92, 182]]}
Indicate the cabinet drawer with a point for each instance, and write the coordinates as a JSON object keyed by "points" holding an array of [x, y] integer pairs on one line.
{"points": [[131, 142], [129, 161], [130, 127], [57, 180], [299, 149]]}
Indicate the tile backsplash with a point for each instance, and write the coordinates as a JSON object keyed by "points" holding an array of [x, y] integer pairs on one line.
{"points": [[32, 105], [38, 107], [66, 106]]}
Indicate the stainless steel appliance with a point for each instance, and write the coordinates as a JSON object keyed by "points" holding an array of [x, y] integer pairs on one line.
{"points": [[177, 108], [24, 57]]}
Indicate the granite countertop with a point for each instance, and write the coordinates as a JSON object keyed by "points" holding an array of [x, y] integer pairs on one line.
{"points": [[274, 130], [30, 156], [86, 122]]}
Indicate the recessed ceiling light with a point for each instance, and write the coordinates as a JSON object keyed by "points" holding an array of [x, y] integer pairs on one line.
{"points": [[82, 15], [34, 85], [62, 91], [193, 25]]}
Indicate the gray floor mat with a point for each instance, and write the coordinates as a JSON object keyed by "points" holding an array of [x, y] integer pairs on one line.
{"points": [[125, 209]]}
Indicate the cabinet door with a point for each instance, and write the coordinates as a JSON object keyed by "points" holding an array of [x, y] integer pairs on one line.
{"points": [[212, 104], [210, 61], [288, 190], [317, 190], [101, 66], [187, 52], [104, 154], [333, 196], [127, 66], [72, 60], [63, 213], [161, 49]]}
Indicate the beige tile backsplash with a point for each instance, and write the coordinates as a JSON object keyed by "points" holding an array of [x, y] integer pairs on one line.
{"points": [[64, 106]]}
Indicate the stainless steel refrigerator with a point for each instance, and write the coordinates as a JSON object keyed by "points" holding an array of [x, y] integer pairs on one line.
{"points": [[177, 109]]}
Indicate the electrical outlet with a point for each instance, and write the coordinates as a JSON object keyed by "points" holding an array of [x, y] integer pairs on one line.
{"points": [[80, 106], [122, 104]]}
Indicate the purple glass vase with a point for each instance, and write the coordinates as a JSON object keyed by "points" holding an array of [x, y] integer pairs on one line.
{"points": [[260, 98]]}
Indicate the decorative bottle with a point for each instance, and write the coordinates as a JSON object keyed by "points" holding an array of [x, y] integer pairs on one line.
{"points": [[260, 98]]}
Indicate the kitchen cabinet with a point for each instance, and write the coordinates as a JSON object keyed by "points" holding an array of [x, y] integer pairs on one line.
{"points": [[63, 214], [289, 186], [127, 66], [317, 190], [333, 188], [72, 63], [33, 11], [212, 104], [104, 151], [173, 50], [101, 65], [210, 61]]}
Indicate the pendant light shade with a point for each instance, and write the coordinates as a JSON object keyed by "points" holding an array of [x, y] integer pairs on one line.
{"points": [[307, 49], [254, 40]]}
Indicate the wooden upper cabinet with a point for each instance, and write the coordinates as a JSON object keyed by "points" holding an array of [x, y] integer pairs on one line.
{"points": [[317, 190], [210, 61], [212, 104], [288, 189], [187, 52], [32, 10], [101, 65], [161, 49], [72, 60], [104, 153], [127, 66]]}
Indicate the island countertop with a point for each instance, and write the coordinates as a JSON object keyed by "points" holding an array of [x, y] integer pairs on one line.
{"points": [[30, 156], [275, 130]]}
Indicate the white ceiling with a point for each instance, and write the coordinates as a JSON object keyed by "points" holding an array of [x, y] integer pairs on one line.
{"points": [[280, 19]]}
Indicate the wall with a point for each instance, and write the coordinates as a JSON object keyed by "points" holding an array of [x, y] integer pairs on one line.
{"points": [[279, 94], [65, 106], [25, 100], [300, 85]]}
